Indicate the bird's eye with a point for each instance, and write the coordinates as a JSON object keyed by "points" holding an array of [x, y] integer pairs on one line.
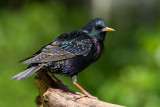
{"points": [[99, 27]]}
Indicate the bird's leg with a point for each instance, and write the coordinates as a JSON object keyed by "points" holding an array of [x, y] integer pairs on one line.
{"points": [[86, 94], [52, 75], [57, 80]]}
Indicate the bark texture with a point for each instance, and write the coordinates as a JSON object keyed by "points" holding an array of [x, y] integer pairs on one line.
{"points": [[56, 94]]}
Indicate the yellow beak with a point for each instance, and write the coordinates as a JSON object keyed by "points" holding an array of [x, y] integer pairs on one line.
{"points": [[107, 29]]}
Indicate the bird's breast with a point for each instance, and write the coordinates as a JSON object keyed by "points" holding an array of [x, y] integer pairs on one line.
{"points": [[98, 48]]}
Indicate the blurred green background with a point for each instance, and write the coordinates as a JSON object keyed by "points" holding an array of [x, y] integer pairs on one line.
{"points": [[128, 71]]}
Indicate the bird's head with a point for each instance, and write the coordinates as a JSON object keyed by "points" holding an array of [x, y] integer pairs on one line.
{"points": [[96, 27]]}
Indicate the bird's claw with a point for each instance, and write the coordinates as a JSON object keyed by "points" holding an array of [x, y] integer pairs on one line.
{"points": [[85, 95]]}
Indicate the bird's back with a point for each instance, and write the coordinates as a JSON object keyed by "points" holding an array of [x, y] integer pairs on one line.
{"points": [[70, 53], [72, 66]]}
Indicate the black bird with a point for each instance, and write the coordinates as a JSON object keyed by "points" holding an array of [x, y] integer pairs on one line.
{"points": [[70, 53]]}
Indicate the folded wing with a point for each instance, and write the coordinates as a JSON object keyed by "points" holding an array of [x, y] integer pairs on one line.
{"points": [[67, 45]]}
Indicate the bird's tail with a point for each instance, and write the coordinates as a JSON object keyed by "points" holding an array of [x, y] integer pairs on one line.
{"points": [[27, 72]]}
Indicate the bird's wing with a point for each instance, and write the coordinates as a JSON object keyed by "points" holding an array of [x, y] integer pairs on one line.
{"points": [[67, 45]]}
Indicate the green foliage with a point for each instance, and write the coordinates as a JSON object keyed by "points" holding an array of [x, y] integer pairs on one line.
{"points": [[126, 74]]}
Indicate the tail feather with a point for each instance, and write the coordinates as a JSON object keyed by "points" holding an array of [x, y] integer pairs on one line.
{"points": [[26, 73]]}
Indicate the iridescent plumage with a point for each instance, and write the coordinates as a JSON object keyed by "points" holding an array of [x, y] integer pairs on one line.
{"points": [[70, 53]]}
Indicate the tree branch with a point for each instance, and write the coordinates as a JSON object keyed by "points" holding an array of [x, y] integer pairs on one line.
{"points": [[56, 94]]}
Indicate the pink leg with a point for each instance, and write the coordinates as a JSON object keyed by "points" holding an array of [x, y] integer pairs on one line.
{"points": [[86, 94]]}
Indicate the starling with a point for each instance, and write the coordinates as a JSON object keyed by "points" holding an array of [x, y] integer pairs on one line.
{"points": [[70, 53]]}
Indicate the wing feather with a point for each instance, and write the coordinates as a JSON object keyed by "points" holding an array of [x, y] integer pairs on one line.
{"points": [[64, 47]]}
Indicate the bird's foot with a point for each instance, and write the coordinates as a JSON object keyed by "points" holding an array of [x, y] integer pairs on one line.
{"points": [[88, 95], [85, 95]]}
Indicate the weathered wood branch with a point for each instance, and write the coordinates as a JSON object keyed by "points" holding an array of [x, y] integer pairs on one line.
{"points": [[55, 94]]}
